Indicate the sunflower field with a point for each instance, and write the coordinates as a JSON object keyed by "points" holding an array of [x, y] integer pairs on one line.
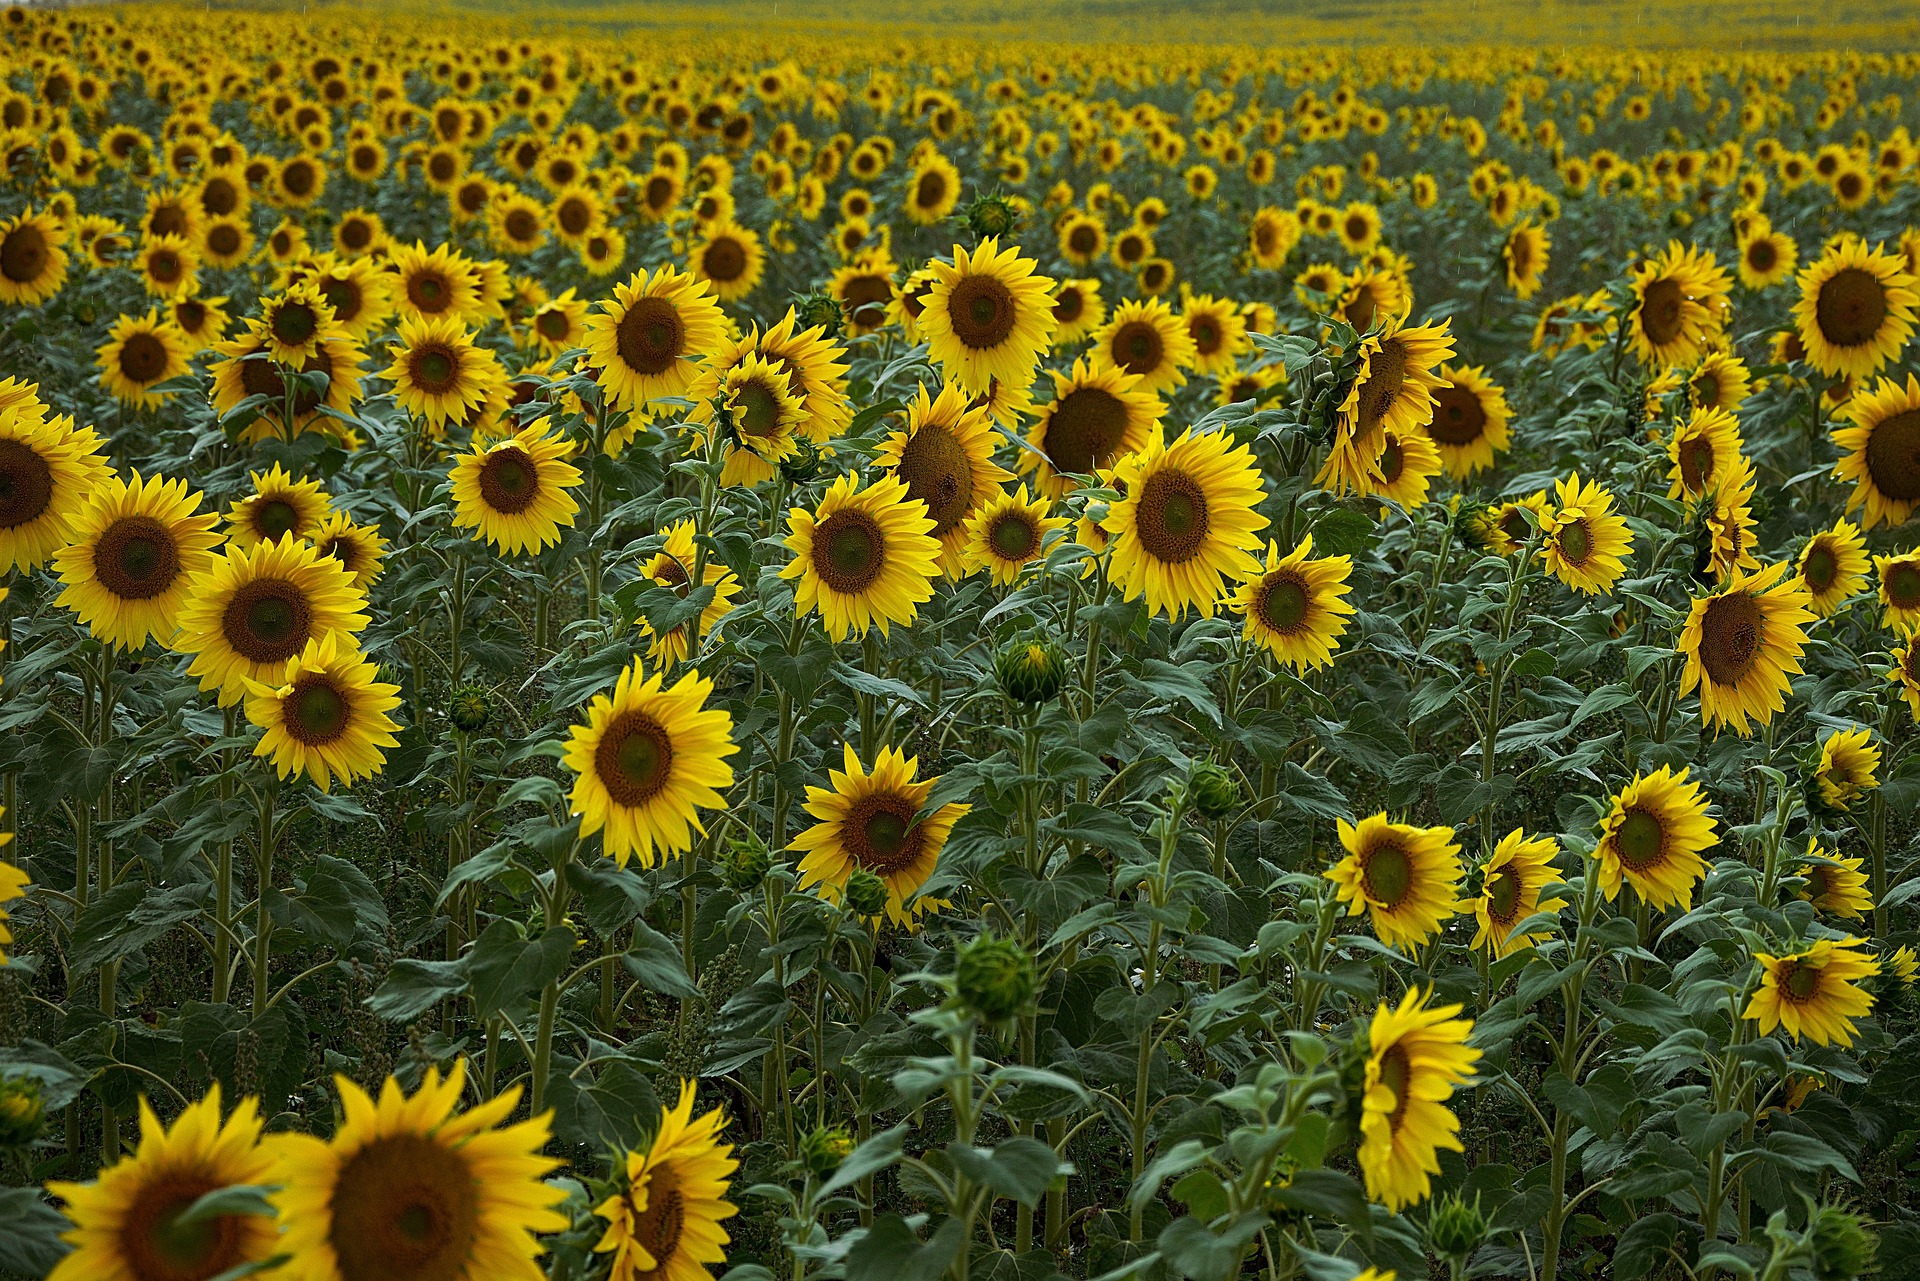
{"points": [[663, 645]]}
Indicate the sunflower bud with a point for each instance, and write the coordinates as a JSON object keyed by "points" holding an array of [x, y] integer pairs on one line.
{"points": [[992, 216], [1212, 790], [1031, 669], [824, 1148], [470, 708], [22, 1111], [803, 464], [745, 864], [1456, 1228], [818, 309], [994, 978], [1839, 1243], [866, 893], [1474, 525]]}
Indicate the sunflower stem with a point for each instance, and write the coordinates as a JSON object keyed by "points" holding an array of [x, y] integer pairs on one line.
{"points": [[263, 915], [223, 876]]}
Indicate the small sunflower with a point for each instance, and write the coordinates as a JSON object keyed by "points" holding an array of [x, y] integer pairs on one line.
{"points": [[1849, 760], [1083, 239], [1078, 310], [1812, 993], [988, 316], [33, 259], [1520, 867], [1146, 339], [296, 323], [1743, 645], [1007, 533], [1406, 878], [140, 353], [1882, 451], [1417, 1055], [359, 548], [1856, 309], [1835, 886], [864, 289], [1652, 837], [1702, 450], [944, 453], [874, 822], [933, 189], [1900, 591], [1189, 521], [646, 762], [1525, 255], [1585, 542], [1726, 524], [766, 416], [649, 339], [558, 325], [438, 373], [46, 475], [1767, 257], [359, 294], [672, 566], [435, 284], [1905, 673], [1677, 301], [729, 259], [863, 557], [329, 718], [280, 504], [1470, 420], [513, 493], [664, 1215], [136, 549], [1297, 606], [1721, 381], [1218, 331], [257, 607], [169, 267], [1393, 387], [1099, 414], [1406, 467]]}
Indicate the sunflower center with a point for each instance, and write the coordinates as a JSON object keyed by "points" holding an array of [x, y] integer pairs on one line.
{"points": [[651, 336], [135, 558], [1393, 461], [930, 191], [275, 518], [575, 217], [1014, 537], [1388, 874], [1458, 418], [1901, 583], [725, 260], [1359, 309], [1696, 463], [1730, 637], [268, 620], [429, 292], [1850, 307], [756, 412], [1396, 1073], [1386, 371], [982, 312], [1284, 603], [1086, 428], [1893, 456], [1068, 306], [1138, 347], [317, 712], [23, 254], [1799, 981], [435, 368], [26, 484], [405, 1209], [552, 325], [343, 296], [1083, 240], [1171, 520], [849, 551], [521, 226], [938, 472], [634, 759], [865, 298], [1761, 256], [1641, 839], [1819, 568], [161, 1248], [1662, 311], [1521, 249], [1205, 334], [658, 1228], [881, 835], [295, 324], [143, 358], [1503, 895], [1575, 541], [509, 480]]}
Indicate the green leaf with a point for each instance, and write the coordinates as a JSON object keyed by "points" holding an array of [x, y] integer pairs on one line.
{"points": [[1330, 1194], [1194, 1250], [655, 960], [1342, 532], [503, 968], [247, 1199], [871, 1157], [605, 1107], [1176, 682], [128, 917], [1203, 1194], [1183, 1156], [1019, 1169], [339, 903], [1642, 1244], [890, 1250], [412, 987], [1802, 1152], [30, 1231]]}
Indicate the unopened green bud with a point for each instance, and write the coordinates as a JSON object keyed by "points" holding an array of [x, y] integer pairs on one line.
{"points": [[824, 1148], [866, 893], [22, 1111], [1840, 1245], [803, 464], [818, 309], [994, 978], [1213, 791], [1031, 669], [1456, 1228], [992, 216], [470, 708], [745, 863]]}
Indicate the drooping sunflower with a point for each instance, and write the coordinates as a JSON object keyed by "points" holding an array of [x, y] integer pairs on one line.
{"points": [[1189, 522], [438, 373], [1848, 761], [1812, 993], [359, 548], [1678, 297], [46, 473], [1393, 387], [1520, 867], [280, 504], [140, 353], [863, 557], [1882, 451], [1585, 541], [136, 549], [864, 289], [1297, 606], [989, 315], [647, 761], [1856, 309], [1652, 838], [125, 1223], [1218, 331], [1743, 645], [1900, 591], [1406, 467], [1417, 1055], [1525, 255], [1099, 414], [664, 1216], [203, 320], [1470, 420], [1835, 886], [1406, 878], [435, 284], [513, 493], [873, 822], [256, 607], [1725, 524], [329, 718], [944, 453], [33, 259], [408, 1189], [672, 566], [1007, 533], [729, 258], [649, 339], [1146, 339]]}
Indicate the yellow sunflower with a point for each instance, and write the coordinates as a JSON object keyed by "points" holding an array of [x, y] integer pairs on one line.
{"points": [[136, 549], [1078, 310], [1406, 878], [1905, 673], [1145, 338], [649, 339], [1812, 993], [438, 373], [766, 418], [1849, 760], [944, 453], [1007, 533], [1470, 420], [1406, 467], [1520, 867], [359, 294], [558, 325], [13, 885], [1767, 257], [1585, 542], [1721, 381], [1417, 1055], [33, 259], [1882, 451], [663, 1218], [280, 504], [1083, 238], [1900, 591], [672, 566], [1218, 330], [1856, 309], [236, 378], [1702, 450], [358, 548], [873, 822], [1743, 645], [256, 607], [646, 762], [1525, 255], [729, 259], [988, 316], [864, 290], [1099, 414], [46, 475], [1835, 886], [1297, 606], [513, 493], [1678, 297], [140, 353], [1189, 522], [435, 284], [1652, 837], [125, 1223], [297, 323], [409, 1189], [1393, 387], [863, 557], [329, 719], [933, 189], [169, 266], [1726, 518]]}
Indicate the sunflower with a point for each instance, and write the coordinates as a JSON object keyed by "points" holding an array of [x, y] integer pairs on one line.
{"points": [[1189, 521], [1368, 296], [1856, 309], [1271, 236], [988, 316], [1218, 330], [1812, 994], [663, 1218], [1078, 310], [1083, 239], [729, 258], [874, 823], [1726, 525], [576, 214], [1882, 451], [407, 1190], [647, 760], [359, 548], [765, 420], [1848, 761], [1520, 867], [1470, 420], [1677, 300], [1099, 414], [1406, 877], [1417, 1055], [933, 189], [359, 294], [558, 325], [33, 259], [329, 719], [125, 1223], [1393, 387], [245, 373], [1834, 885], [1722, 381], [513, 493], [1702, 450], [1900, 591], [1406, 467], [1905, 672], [648, 341], [46, 474], [136, 549], [140, 353], [863, 557], [672, 566], [279, 505], [1007, 533], [438, 374], [1146, 339], [203, 320], [256, 607], [168, 265], [814, 366], [1767, 257], [944, 453], [296, 324], [1239, 386], [1585, 543], [1743, 645], [13, 885], [864, 290], [435, 284], [1525, 256], [1297, 606], [1652, 837], [516, 223]]}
